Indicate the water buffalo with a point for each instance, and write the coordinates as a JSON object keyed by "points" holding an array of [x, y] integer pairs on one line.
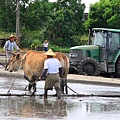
{"points": [[32, 64]]}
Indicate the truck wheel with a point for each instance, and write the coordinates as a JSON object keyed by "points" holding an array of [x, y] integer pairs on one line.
{"points": [[118, 68], [89, 66]]}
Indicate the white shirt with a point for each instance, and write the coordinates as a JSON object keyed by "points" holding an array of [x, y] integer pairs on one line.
{"points": [[53, 65], [45, 44]]}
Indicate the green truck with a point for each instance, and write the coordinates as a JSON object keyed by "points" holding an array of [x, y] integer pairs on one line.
{"points": [[102, 56]]}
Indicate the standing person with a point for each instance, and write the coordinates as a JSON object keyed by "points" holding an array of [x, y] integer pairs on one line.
{"points": [[53, 69], [45, 45], [9, 46]]}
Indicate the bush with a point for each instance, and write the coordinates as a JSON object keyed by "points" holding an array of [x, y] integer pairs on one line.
{"points": [[60, 49], [35, 44]]}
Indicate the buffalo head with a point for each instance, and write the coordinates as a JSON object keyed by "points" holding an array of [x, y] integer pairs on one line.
{"points": [[15, 62]]}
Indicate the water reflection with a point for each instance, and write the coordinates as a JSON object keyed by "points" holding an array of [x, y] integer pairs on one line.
{"points": [[66, 109], [103, 107], [32, 107], [47, 109], [93, 108], [57, 108]]}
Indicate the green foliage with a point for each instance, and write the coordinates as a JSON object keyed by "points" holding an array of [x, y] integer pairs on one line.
{"points": [[65, 24], [59, 49], [31, 39], [36, 15], [35, 44], [84, 40], [7, 16], [105, 13], [60, 22], [4, 34]]}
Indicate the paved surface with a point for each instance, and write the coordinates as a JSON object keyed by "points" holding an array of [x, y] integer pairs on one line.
{"points": [[73, 78]]}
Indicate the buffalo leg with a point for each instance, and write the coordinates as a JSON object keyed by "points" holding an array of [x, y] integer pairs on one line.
{"points": [[62, 86], [29, 86], [34, 87], [45, 93], [66, 88]]}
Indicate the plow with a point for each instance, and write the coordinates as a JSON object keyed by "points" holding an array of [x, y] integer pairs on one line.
{"points": [[63, 95]]}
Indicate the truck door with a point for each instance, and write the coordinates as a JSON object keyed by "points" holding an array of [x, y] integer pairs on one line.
{"points": [[113, 46]]}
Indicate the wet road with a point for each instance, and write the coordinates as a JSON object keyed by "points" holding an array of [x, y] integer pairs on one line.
{"points": [[69, 108]]}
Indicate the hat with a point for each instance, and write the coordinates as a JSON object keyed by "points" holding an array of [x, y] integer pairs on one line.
{"points": [[50, 53], [12, 36]]}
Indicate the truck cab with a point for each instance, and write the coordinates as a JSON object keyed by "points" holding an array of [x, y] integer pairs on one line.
{"points": [[101, 56]]}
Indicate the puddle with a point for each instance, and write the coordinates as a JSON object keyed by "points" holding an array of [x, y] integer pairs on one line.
{"points": [[69, 108]]}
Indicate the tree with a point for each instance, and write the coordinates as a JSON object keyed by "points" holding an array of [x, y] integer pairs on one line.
{"points": [[60, 22], [35, 14], [105, 13], [7, 16], [65, 25]]}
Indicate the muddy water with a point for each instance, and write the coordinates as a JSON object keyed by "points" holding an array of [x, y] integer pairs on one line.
{"points": [[69, 108]]}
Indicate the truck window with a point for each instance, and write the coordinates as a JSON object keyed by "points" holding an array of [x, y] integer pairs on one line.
{"points": [[98, 39], [114, 41]]}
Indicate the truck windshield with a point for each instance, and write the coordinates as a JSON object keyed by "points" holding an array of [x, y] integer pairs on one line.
{"points": [[98, 39]]}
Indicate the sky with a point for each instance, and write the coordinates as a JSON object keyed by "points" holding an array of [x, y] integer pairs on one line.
{"points": [[87, 3]]}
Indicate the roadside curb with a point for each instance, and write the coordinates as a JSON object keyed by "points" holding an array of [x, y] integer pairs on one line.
{"points": [[72, 78], [94, 80]]}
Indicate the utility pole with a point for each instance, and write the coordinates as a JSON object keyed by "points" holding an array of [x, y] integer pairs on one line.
{"points": [[18, 20]]}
